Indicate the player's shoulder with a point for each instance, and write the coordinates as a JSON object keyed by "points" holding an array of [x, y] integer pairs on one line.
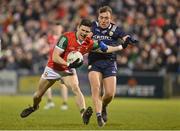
{"points": [[69, 34], [113, 26], [94, 24], [116, 28]]}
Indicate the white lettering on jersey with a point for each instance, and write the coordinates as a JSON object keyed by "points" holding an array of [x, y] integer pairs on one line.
{"points": [[101, 37]]}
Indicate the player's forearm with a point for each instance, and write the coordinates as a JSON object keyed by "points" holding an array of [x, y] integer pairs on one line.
{"points": [[114, 48], [57, 59], [125, 37]]}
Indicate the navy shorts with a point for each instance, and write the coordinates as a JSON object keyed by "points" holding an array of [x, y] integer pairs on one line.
{"points": [[106, 67]]}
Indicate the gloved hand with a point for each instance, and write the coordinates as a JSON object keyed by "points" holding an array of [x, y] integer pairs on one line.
{"points": [[129, 40], [77, 63], [103, 47], [88, 40]]}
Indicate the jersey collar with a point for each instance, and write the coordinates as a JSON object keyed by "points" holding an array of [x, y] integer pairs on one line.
{"points": [[78, 41]]}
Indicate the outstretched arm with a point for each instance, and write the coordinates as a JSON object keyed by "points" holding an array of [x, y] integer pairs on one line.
{"points": [[114, 48], [101, 47], [127, 41]]}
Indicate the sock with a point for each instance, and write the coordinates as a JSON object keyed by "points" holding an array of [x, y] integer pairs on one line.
{"points": [[35, 107], [98, 114], [82, 110], [64, 103], [49, 100], [104, 105]]}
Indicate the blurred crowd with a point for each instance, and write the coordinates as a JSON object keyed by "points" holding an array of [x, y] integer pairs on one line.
{"points": [[25, 25]]}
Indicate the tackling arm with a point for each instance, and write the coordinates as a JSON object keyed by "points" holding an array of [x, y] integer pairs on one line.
{"points": [[103, 48], [127, 40], [114, 48]]}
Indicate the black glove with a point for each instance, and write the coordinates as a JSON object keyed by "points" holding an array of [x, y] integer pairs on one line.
{"points": [[129, 40], [77, 63]]}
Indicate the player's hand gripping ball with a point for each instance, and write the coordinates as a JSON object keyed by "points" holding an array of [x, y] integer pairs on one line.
{"points": [[75, 59]]}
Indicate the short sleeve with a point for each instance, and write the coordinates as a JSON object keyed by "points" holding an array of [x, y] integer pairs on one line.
{"points": [[95, 45], [62, 43], [120, 33]]}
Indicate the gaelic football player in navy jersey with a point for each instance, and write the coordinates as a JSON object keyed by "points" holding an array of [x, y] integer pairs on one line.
{"points": [[102, 66]]}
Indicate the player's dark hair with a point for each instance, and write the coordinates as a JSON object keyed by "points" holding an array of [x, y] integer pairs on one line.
{"points": [[105, 9], [86, 22]]}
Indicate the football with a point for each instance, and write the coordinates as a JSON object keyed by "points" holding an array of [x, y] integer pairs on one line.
{"points": [[74, 55]]}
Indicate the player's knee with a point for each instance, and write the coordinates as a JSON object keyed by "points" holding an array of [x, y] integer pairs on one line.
{"points": [[109, 95], [95, 92], [96, 85], [95, 89]]}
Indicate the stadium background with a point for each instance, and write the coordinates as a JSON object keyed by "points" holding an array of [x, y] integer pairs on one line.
{"points": [[150, 69]]}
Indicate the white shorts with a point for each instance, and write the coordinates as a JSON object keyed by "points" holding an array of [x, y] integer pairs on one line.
{"points": [[49, 73]]}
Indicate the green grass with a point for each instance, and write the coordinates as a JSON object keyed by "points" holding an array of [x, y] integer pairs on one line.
{"points": [[124, 114]]}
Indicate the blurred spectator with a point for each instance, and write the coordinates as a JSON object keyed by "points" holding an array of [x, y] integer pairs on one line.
{"points": [[24, 25]]}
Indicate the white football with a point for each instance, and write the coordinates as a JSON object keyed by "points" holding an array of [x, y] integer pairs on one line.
{"points": [[74, 55]]}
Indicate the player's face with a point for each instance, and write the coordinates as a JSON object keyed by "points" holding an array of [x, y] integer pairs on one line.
{"points": [[104, 19], [83, 31]]}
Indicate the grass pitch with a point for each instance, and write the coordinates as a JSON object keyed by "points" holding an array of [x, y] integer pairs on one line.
{"points": [[124, 114]]}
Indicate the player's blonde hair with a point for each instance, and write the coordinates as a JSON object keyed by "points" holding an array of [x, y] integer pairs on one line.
{"points": [[105, 9]]}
